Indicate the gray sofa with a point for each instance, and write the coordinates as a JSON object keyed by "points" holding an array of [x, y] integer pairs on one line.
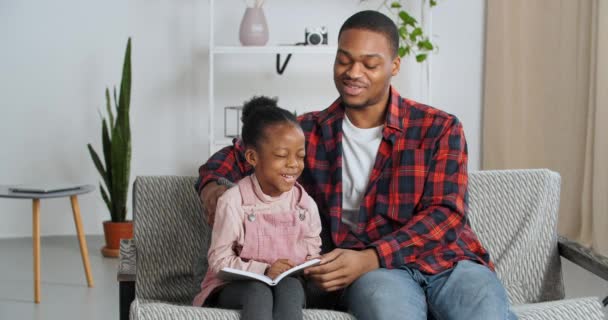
{"points": [[513, 212]]}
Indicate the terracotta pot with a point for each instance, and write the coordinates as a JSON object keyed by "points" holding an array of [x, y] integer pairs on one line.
{"points": [[114, 231]]}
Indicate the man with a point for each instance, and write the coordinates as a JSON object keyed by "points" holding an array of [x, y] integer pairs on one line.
{"points": [[390, 178]]}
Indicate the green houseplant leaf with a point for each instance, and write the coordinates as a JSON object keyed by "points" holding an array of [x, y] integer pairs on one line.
{"points": [[109, 108], [412, 40], [116, 144]]}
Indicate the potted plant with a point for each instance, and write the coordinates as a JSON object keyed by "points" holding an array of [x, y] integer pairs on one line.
{"points": [[412, 40], [116, 167]]}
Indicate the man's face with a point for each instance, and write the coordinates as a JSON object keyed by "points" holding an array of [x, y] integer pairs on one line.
{"points": [[363, 67], [279, 158]]}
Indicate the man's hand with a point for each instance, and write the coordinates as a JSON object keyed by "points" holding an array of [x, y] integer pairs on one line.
{"points": [[279, 267], [209, 195], [340, 267]]}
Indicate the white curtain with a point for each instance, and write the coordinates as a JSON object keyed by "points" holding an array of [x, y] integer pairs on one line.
{"points": [[546, 103]]}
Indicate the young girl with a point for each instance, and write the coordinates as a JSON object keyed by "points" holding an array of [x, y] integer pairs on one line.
{"points": [[267, 224]]}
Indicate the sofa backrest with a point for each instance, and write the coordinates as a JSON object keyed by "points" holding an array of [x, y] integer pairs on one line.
{"points": [[514, 213], [171, 238]]}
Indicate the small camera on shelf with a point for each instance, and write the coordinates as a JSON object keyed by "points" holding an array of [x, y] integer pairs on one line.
{"points": [[315, 36]]}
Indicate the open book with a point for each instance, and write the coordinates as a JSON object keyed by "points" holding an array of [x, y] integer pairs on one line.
{"points": [[230, 274]]}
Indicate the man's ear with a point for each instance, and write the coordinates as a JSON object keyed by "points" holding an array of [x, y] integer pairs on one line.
{"points": [[251, 156], [396, 66]]}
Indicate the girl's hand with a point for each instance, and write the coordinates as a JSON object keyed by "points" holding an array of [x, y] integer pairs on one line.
{"points": [[278, 267]]}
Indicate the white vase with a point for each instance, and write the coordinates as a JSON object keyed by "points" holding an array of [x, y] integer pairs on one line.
{"points": [[254, 29]]}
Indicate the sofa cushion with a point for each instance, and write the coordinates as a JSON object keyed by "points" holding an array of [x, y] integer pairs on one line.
{"points": [[569, 309]]}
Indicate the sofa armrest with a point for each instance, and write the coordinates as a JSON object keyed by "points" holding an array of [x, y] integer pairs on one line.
{"points": [[126, 264], [584, 257], [126, 277]]}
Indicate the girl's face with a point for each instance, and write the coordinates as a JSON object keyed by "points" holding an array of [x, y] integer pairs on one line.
{"points": [[279, 158]]}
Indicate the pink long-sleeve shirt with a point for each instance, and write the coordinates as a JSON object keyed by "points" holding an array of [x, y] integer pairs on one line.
{"points": [[229, 232]]}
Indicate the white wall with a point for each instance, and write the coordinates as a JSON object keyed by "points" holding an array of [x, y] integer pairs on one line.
{"points": [[57, 57]]}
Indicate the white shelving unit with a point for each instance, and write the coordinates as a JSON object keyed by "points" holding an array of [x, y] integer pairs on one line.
{"points": [[324, 49], [216, 143]]}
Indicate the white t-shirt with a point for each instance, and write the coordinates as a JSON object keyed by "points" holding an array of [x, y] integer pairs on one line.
{"points": [[359, 149]]}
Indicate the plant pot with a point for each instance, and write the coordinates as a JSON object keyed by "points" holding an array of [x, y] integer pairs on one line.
{"points": [[114, 231]]}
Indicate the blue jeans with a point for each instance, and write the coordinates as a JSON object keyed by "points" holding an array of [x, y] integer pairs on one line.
{"points": [[467, 291]]}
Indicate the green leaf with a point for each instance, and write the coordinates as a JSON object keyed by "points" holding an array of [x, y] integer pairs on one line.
{"points": [[121, 143], [403, 32], [120, 176], [417, 32], [115, 101], [106, 199], [124, 97], [109, 108], [425, 45], [421, 57], [97, 162], [395, 4], [107, 152], [401, 52], [433, 3], [407, 19]]}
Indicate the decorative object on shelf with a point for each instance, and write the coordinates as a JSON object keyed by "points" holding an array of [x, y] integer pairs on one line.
{"points": [[412, 40], [213, 131], [232, 121], [315, 36], [254, 29], [116, 142]]}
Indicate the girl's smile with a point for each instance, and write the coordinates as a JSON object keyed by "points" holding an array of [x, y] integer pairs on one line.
{"points": [[279, 158]]}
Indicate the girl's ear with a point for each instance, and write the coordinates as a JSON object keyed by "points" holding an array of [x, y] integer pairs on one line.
{"points": [[251, 156]]}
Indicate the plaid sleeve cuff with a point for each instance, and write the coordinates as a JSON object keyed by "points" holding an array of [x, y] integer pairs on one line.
{"points": [[390, 255]]}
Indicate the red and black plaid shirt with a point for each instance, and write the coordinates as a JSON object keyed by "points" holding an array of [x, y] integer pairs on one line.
{"points": [[414, 209]]}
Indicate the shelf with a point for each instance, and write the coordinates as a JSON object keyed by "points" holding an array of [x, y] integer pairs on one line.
{"points": [[322, 49], [217, 52]]}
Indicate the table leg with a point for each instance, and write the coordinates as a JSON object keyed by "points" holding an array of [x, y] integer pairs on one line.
{"points": [[84, 252], [36, 241]]}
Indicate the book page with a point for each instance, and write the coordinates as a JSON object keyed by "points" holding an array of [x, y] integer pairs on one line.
{"points": [[230, 274], [295, 269]]}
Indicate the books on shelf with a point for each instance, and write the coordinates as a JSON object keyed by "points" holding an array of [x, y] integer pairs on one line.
{"points": [[230, 274]]}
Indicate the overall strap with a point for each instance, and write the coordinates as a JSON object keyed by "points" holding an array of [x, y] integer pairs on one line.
{"points": [[300, 200], [246, 188]]}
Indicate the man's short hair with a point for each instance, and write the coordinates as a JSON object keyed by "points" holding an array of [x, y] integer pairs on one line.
{"points": [[374, 21]]}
